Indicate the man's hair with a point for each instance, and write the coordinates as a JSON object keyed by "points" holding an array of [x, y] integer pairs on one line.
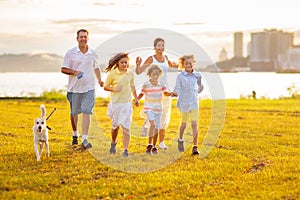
{"points": [[82, 30]]}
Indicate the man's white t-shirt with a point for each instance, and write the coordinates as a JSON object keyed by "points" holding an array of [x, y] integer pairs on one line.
{"points": [[86, 63]]}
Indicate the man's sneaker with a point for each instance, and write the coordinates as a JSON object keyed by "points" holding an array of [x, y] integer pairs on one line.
{"points": [[154, 150], [162, 145], [86, 144], [75, 140], [112, 149], [125, 153], [144, 131], [195, 150], [149, 149], [180, 146]]}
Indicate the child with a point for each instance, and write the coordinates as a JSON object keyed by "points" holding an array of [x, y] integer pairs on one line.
{"points": [[153, 90], [120, 82], [188, 85]]}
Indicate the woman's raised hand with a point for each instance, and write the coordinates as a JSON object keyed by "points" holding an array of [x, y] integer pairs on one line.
{"points": [[138, 61]]}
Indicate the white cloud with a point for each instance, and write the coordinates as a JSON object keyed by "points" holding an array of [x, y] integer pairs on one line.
{"points": [[31, 19]]}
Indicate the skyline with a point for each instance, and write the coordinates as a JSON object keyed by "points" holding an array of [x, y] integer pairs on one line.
{"points": [[34, 26]]}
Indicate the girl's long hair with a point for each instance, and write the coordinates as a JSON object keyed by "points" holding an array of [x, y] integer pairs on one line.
{"points": [[113, 62]]}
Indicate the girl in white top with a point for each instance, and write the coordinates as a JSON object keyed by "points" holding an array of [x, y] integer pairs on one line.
{"points": [[163, 61]]}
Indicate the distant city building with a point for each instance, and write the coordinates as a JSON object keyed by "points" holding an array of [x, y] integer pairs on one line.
{"points": [[238, 45], [266, 47], [289, 61], [249, 49], [223, 55], [271, 50]]}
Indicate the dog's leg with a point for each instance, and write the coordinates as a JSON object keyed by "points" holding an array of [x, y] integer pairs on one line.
{"points": [[47, 148], [41, 148], [37, 151]]}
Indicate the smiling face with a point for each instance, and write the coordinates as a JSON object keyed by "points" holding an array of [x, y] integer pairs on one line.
{"points": [[123, 64], [160, 46], [188, 65], [154, 75], [82, 38]]}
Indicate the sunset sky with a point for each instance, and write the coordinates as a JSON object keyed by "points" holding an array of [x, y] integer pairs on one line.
{"points": [[33, 26]]}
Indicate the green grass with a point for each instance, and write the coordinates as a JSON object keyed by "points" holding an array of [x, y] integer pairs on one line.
{"points": [[256, 156]]}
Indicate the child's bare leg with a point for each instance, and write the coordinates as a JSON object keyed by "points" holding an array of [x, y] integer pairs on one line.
{"points": [[181, 130], [195, 132], [151, 131], [155, 136], [126, 138], [114, 135]]}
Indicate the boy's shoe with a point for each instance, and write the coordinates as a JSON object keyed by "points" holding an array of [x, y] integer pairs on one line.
{"points": [[144, 131], [154, 150], [112, 148], [75, 140], [162, 145], [86, 144], [149, 149], [180, 146], [125, 153], [195, 150]]}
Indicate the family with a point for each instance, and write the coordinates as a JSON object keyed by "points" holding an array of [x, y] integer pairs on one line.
{"points": [[81, 65]]}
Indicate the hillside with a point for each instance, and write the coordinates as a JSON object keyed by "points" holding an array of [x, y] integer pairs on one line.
{"points": [[43, 62]]}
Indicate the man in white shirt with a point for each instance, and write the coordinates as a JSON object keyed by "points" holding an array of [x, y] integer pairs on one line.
{"points": [[81, 64]]}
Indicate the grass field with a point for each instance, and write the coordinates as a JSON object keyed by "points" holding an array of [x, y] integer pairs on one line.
{"points": [[256, 156]]}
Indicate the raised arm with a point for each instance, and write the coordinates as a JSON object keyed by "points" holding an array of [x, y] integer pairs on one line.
{"points": [[139, 69], [172, 64]]}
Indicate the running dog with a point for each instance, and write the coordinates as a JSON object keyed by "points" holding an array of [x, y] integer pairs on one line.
{"points": [[40, 134]]}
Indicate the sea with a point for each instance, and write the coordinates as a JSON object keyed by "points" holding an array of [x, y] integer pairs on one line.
{"points": [[216, 85]]}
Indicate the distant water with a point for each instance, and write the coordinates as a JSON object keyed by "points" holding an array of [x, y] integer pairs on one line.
{"points": [[265, 84]]}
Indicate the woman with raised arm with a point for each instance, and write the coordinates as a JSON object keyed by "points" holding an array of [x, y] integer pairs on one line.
{"points": [[162, 60]]}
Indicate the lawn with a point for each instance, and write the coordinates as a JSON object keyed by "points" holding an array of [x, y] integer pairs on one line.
{"points": [[256, 155]]}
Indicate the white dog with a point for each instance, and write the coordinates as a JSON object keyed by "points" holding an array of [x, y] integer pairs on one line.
{"points": [[40, 134]]}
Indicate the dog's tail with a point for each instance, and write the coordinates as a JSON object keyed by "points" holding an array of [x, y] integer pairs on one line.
{"points": [[43, 108]]}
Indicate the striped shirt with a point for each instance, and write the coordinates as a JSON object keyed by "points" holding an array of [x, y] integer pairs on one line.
{"points": [[153, 96]]}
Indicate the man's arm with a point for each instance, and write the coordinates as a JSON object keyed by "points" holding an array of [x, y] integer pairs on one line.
{"points": [[69, 71], [98, 76]]}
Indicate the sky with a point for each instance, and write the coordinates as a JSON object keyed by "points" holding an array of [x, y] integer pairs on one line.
{"points": [[38, 26]]}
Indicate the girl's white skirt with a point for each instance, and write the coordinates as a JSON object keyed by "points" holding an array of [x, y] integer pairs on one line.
{"points": [[120, 114]]}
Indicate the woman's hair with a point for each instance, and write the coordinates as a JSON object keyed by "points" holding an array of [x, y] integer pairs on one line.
{"points": [[154, 67], [158, 40], [113, 62], [185, 57]]}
